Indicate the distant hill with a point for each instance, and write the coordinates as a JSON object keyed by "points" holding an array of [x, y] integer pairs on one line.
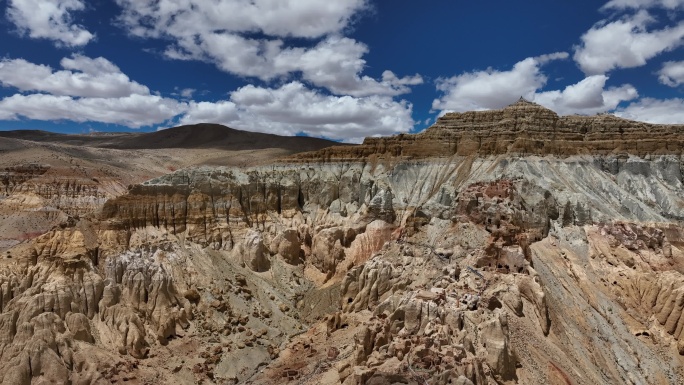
{"points": [[203, 135]]}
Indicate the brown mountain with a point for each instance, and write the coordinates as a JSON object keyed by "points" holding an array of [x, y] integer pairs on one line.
{"points": [[523, 128], [203, 135]]}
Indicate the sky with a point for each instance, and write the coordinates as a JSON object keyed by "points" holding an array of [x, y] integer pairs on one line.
{"points": [[342, 69]]}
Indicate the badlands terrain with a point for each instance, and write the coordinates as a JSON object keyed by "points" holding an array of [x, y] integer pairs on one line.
{"points": [[499, 247], [47, 177]]}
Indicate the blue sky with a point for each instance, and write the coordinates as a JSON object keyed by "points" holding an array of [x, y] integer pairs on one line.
{"points": [[341, 69]]}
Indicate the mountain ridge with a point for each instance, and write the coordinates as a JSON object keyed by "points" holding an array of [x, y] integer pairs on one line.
{"points": [[523, 128], [202, 135]]}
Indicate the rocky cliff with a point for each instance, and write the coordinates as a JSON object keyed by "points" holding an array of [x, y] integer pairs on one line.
{"points": [[413, 259], [523, 128], [45, 178], [36, 197]]}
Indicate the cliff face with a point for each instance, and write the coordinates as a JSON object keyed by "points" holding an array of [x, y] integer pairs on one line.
{"points": [[36, 197], [206, 203], [523, 128], [544, 251], [406, 238], [46, 178]]}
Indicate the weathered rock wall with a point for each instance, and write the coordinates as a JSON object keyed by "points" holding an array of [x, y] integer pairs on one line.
{"points": [[34, 198], [507, 246], [522, 128], [491, 214], [207, 203]]}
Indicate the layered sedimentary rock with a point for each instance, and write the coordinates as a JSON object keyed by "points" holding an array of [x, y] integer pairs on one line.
{"points": [[206, 203], [36, 197], [45, 178], [523, 128], [474, 221], [507, 246]]}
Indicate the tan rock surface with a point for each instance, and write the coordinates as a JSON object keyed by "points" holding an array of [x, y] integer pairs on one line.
{"points": [[46, 177], [441, 258], [523, 128]]}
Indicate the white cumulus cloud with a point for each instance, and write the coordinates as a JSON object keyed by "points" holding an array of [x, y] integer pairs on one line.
{"points": [[133, 111], [643, 4], [222, 112], [334, 63], [49, 19], [625, 43], [86, 90], [251, 39], [492, 89], [672, 73], [284, 18], [293, 108], [587, 97], [95, 90], [659, 111], [82, 76]]}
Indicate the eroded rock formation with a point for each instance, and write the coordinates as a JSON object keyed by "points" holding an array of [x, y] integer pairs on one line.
{"points": [[523, 128], [510, 246]]}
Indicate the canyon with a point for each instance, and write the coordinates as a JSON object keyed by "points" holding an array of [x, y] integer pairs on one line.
{"points": [[495, 247]]}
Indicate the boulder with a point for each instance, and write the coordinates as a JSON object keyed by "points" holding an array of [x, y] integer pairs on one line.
{"points": [[253, 252], [287, 245]]}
